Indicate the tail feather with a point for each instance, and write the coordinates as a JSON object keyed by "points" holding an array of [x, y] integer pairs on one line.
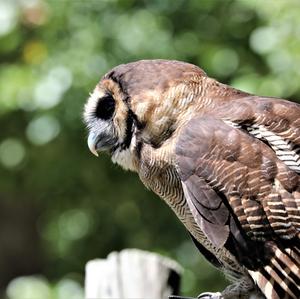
{"points": [[265, 282], [288, 284], [280, 279]]}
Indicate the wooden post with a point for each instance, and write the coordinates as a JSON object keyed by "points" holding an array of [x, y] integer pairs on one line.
{"points": [[132, 273]]}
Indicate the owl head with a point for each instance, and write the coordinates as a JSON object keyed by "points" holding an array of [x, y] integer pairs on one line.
{"points": [[143, 100]]}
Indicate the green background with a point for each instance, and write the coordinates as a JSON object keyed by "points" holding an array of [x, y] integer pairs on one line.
{"points": [[59, 205]]}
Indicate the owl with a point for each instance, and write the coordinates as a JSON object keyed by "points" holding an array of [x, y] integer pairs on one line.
{"points": [[226, 162]]}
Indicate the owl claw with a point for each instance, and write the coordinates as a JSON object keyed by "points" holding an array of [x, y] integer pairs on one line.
{"points": [[209, 295], [179, 297]]}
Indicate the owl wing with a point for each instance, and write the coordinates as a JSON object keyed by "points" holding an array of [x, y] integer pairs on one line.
{"points": [[274, 121], [242, 194]]}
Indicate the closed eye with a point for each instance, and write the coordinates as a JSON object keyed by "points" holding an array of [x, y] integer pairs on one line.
{"points": [[106, 107]]}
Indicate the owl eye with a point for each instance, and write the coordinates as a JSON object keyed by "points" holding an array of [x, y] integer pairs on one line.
{"points": [[105, 108]]}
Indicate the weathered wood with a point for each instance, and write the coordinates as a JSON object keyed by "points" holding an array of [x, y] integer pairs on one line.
{"points": [[132, 273]]}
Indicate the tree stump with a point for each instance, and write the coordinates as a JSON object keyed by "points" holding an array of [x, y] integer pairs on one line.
{"points": [[132, 273]]}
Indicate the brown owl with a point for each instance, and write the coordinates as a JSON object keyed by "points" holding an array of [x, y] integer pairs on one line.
{"points": [[227, 163]]}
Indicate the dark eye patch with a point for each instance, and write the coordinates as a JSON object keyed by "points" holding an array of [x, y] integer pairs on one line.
{"points": [[106, 107]]}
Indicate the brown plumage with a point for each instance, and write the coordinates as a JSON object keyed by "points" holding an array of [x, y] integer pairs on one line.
{"points": [[225, 161]]}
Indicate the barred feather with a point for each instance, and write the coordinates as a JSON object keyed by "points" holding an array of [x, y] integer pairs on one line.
{"points": [[286, 151], [281, 278], [260, 193]]}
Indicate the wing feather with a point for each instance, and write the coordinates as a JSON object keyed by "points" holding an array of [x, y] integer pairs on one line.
{"points": [[243, 197], [275, 121]]}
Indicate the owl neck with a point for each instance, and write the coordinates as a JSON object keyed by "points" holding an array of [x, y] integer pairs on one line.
{"points": [[127, 156]]}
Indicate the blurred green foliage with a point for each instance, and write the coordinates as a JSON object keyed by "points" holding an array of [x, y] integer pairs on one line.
{"points": [[59, 205]]}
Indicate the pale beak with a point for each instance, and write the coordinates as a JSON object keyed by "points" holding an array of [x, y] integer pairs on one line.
{"points": [[92, 143]]}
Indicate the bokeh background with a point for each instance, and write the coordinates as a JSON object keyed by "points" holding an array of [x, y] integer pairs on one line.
{"points": [[59, 205]]}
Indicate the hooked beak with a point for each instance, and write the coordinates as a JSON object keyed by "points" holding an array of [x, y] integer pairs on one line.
{"points": [[101, 142], [92, 143]]}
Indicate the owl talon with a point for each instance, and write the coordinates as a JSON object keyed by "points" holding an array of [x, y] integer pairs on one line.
{"points": [[179, 297], [209, 295]]}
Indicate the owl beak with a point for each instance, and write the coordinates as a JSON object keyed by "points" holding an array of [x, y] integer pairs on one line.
{"points": [[92, 143], [101, 141]]}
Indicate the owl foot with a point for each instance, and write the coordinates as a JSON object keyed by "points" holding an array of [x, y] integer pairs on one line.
{"points": [[209, 295], [180, 297], [206, 295]]}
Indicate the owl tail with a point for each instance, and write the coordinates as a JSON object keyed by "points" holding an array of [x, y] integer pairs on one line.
{"points": [[280, 279]]}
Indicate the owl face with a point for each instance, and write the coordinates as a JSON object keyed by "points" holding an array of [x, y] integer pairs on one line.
{"points": [[140, 100], [109, 121], [99, 118]]}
